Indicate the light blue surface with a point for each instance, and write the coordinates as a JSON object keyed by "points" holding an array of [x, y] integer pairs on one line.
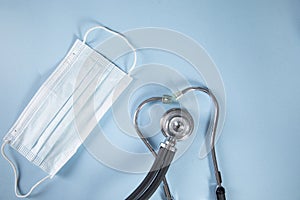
{"points": [[256, 46]]}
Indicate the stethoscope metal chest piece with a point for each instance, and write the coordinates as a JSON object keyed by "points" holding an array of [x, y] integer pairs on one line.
{"points": [[177, 123]]}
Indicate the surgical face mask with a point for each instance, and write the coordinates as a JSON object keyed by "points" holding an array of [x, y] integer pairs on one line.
{"points": [[46, 133]]}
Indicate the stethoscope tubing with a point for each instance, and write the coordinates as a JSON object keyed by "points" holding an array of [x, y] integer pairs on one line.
{"points": [[155, 175], [160, 175]]}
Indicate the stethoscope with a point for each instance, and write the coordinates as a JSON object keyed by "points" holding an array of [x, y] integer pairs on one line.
{"points": [[176, 124]]}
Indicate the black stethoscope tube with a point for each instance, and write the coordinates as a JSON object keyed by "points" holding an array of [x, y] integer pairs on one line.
{"points": [[154, 177], [150, 176], [220, 192], [158, 179]]}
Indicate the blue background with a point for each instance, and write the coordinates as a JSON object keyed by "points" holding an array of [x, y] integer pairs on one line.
{"points": [[256, 46]]}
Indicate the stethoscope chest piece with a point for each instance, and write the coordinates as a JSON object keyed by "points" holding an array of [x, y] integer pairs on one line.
{"points": [[177, 123]]}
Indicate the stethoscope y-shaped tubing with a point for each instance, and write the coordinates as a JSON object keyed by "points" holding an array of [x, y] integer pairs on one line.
{"points": [[213, 124]]}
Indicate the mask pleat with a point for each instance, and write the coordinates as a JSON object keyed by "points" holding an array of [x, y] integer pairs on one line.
{"points": [[82, 95], [64, 94]]}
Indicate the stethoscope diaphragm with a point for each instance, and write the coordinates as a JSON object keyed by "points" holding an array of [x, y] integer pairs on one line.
{"points": [[177, 123]]}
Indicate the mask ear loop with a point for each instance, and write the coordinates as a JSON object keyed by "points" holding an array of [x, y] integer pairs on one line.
{"points": [[17, 191], [117, 34]]}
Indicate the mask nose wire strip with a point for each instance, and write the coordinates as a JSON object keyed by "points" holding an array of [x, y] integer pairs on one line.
{"points": [[214, 127], [17, 177], [117, 34], [146, 142]]}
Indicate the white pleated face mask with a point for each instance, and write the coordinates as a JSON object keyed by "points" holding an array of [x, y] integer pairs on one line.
{"points": [[46, 131]]}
